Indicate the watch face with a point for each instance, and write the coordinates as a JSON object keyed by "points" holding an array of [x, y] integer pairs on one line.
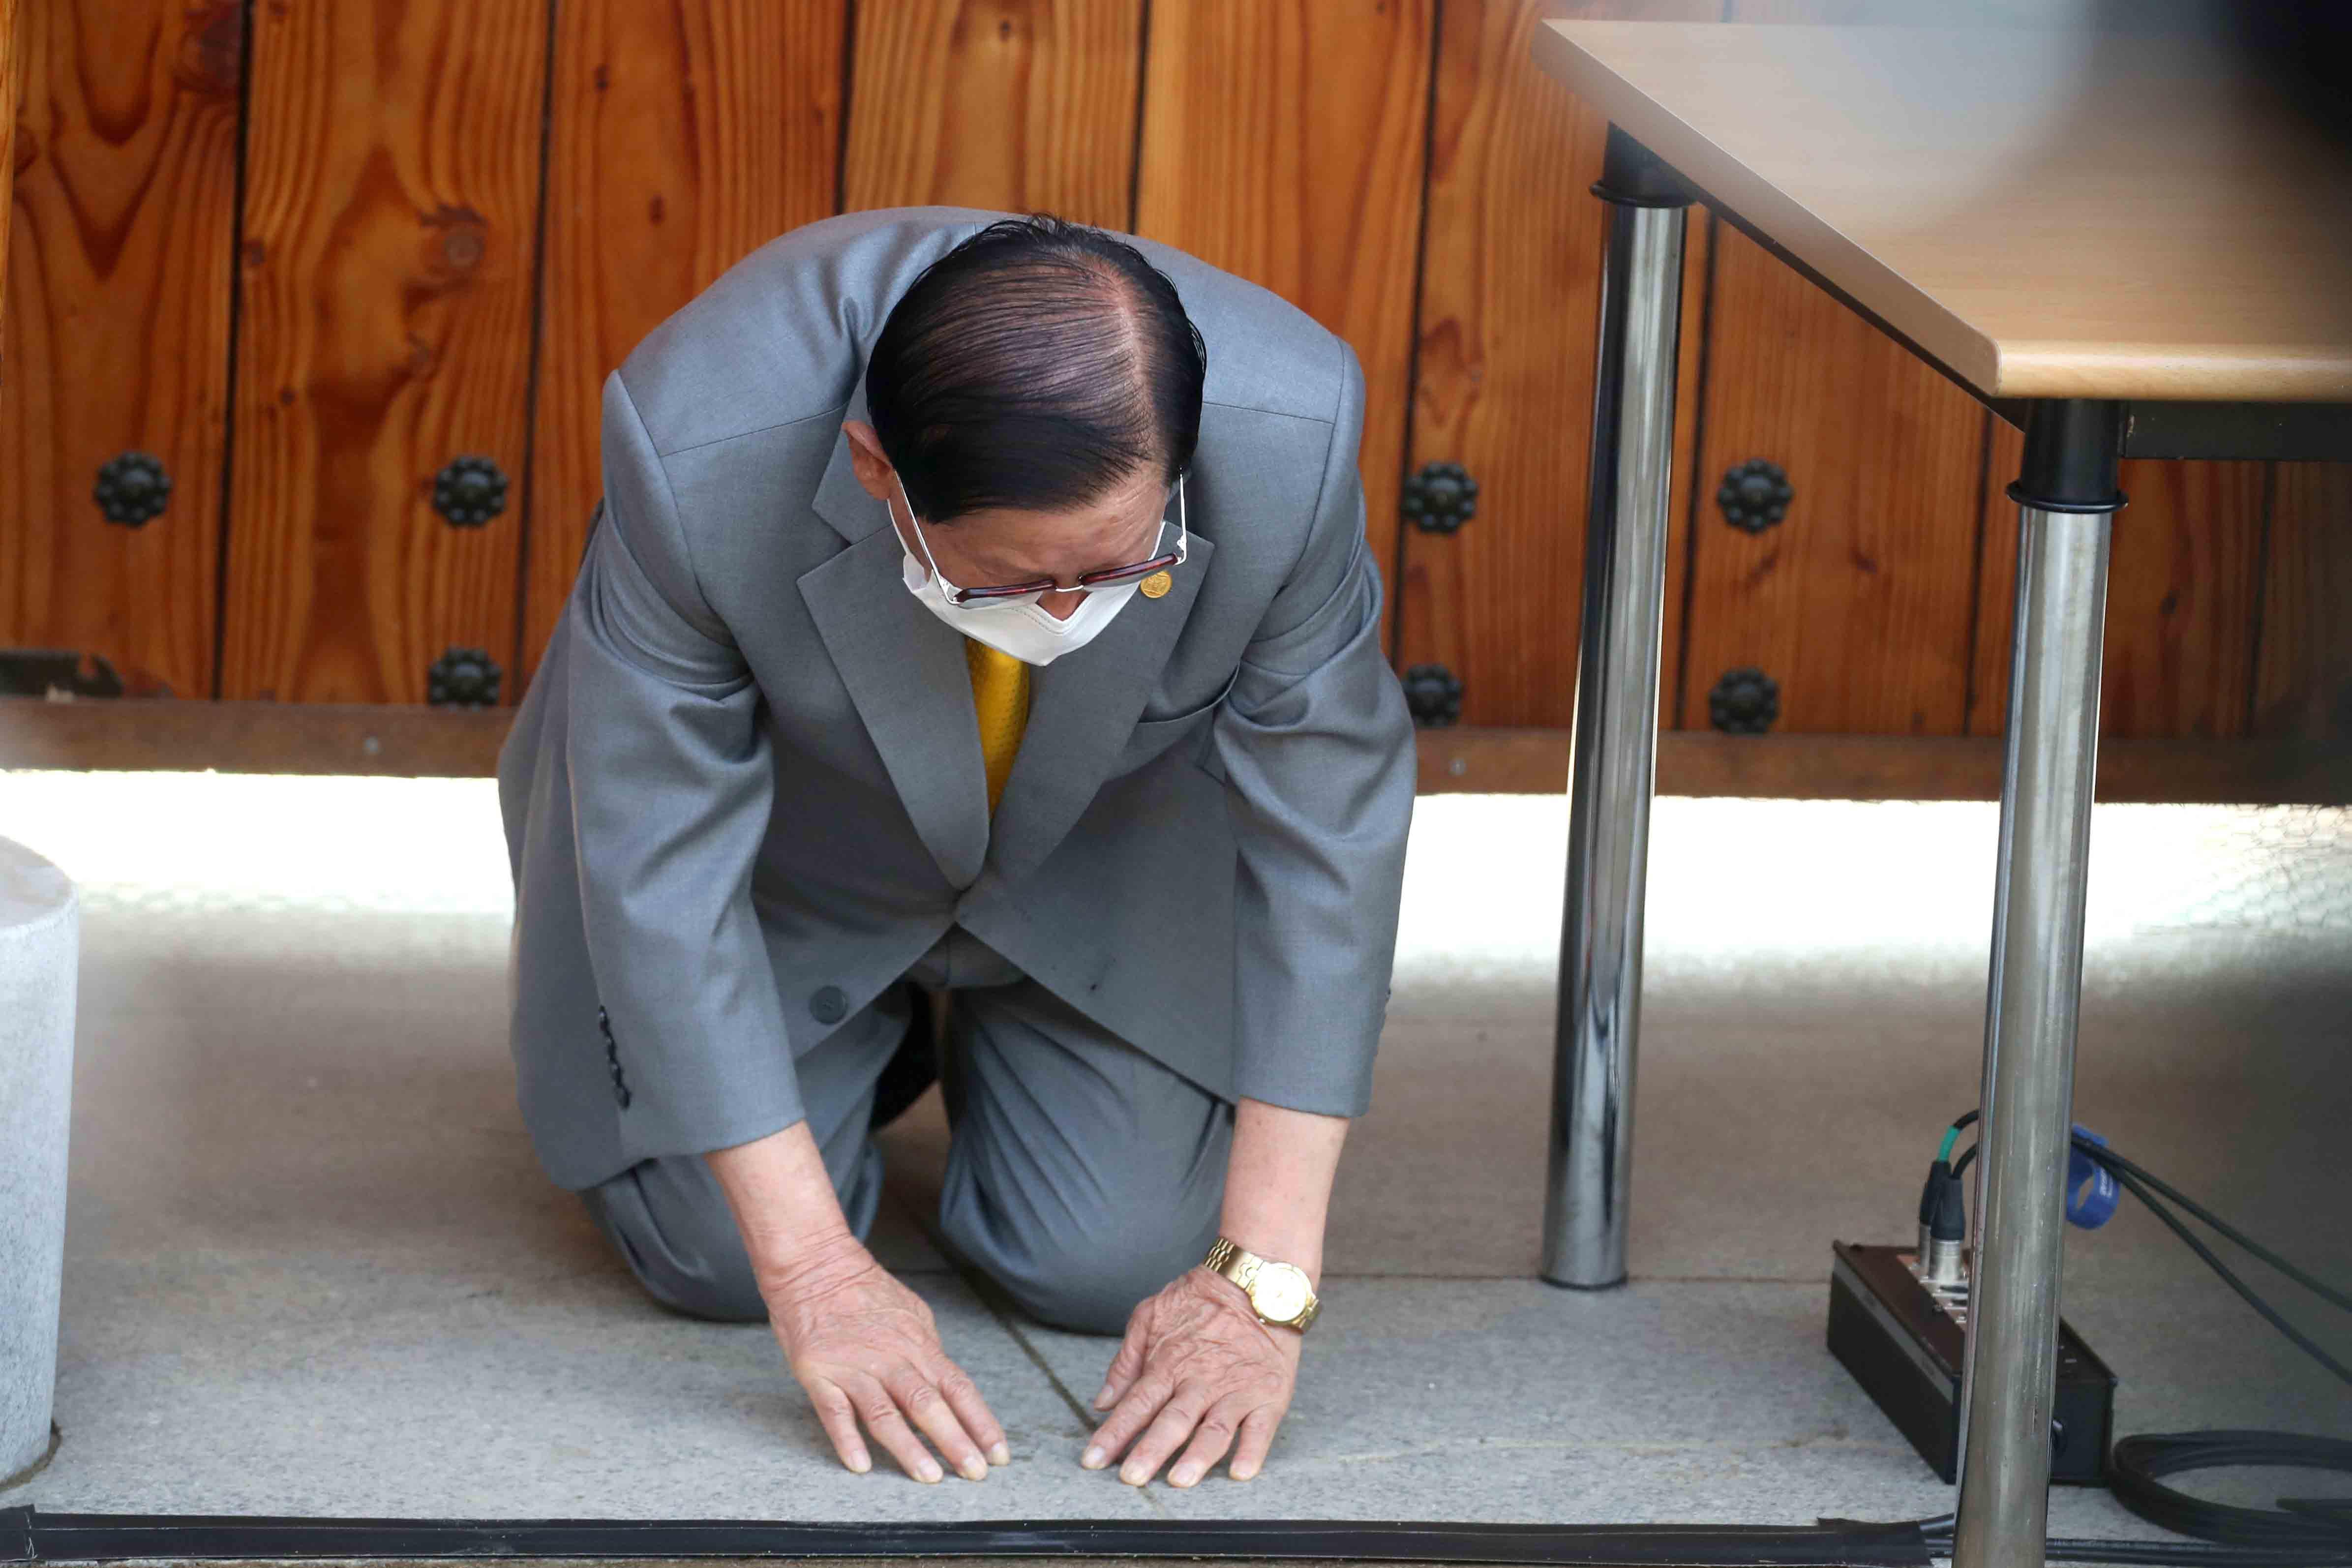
{"points": [[1280, 1292]]}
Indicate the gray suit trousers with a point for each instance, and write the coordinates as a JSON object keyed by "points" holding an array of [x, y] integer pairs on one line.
{"points": [[1082, 1175]]}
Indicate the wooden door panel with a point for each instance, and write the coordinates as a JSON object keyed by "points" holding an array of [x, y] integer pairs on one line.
{"points": [[2181, 579], [1283, 140], [2303, 683], [1012, 105], [115, 334], [387, 290], [1503, 377], [685, 135], [1859, 605]]}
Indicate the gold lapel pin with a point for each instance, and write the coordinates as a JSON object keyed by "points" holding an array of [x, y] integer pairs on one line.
{"points": [[1156, 586]]}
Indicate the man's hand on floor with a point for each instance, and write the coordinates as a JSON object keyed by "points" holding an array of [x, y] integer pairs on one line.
{"points": [[1196, 1364], [867, 1349]]}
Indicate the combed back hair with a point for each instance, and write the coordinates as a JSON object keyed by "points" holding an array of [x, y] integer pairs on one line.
{"points": [[1038, 365]]}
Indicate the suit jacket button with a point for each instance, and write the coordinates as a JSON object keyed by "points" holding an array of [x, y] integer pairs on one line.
{"points": [[828, 1006]]}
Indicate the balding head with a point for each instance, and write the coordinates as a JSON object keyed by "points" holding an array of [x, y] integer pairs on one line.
{"points": [[1040, 365]]}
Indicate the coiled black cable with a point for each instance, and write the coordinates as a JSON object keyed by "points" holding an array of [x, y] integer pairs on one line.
{"points": [[2305, 1525]]}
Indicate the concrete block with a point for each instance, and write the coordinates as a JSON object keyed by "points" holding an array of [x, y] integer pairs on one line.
{"points": [[40, 943]]}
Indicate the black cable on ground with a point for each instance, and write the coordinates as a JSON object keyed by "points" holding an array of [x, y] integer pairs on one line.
{"points": [[2301, 1341], [2166, 1555], [2121, 1168]]}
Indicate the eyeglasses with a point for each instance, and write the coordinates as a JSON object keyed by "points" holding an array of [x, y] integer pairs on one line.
{"points": [[1030, 592]]}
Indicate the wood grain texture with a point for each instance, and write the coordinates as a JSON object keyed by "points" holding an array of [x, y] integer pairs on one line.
{"points": [[684, 136], [2181, 598], [1859, 603], [2303, 683], [1503, 385], [357, 738], [1283, 140], [12, 62], [114, 335], [2184, 238], [387, 275], [1012, 105]]}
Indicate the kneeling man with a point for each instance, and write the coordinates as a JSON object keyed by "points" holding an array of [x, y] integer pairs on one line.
{"points": [[980, 607]]}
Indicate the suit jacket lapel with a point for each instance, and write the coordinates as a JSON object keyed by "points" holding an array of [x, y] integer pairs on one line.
{"points": [[905, 671], [1082, 710]]}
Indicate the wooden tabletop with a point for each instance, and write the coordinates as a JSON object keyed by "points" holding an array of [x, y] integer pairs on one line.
{"points": [[2050, 215]]}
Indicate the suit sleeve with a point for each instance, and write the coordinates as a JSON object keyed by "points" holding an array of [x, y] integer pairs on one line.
{"points": [[1318, 756], [671, 786]]}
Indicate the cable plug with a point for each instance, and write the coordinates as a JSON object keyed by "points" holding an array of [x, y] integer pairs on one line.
{"points": [[1943, 1225]]}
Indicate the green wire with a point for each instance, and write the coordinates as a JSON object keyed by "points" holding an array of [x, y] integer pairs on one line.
{"points": [[1952, 1135]]}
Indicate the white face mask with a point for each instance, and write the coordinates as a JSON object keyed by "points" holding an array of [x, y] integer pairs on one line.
{"points": [[1024, 631], [1027, 632]]}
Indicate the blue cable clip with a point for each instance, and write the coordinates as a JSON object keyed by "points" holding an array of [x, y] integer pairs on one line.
{"points": [[2091, 1191]]}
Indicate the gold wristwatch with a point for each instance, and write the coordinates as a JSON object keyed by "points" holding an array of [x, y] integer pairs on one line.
{"points": [[1278, 1292]]}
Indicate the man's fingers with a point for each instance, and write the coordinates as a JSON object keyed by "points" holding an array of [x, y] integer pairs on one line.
{"points": [[1210, 1440], [963, 1398], [1165, 1435], [927, 1407], [879, 1411], [1129, 1362], [1256, 1437], [840, 1419], [1135, 1410]]}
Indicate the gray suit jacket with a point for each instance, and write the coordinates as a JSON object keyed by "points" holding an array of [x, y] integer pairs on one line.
{"points": [[744, 793]]}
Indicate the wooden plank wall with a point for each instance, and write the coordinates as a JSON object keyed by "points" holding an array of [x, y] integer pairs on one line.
{"points": [[115, 333], [306, 303], [387, 282], [681, 136], [2302, 657], [1510, 288], [12, 60], [1860, 605], [1284, 140], [1012, 105]]}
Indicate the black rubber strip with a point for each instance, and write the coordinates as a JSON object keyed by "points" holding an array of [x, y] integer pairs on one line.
{"points": [[2024, 497], [27, 1536], [1633, 177], [1633, 198]]}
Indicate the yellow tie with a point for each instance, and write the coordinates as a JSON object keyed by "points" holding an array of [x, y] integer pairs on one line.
{"points": [[999, 695]]}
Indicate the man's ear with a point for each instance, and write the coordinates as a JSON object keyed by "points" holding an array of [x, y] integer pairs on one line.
{"points": [[873, 469]]}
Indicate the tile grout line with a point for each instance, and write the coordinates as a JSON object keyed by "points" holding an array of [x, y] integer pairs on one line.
{"points": [[991, 1296], [1000, 1307], [1084, 1414]]}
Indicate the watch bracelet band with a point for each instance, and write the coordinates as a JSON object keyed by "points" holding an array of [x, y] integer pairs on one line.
{"points": [[1221, 1256]]}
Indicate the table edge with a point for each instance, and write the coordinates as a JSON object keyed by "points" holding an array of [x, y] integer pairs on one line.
{"points": [[2282, 375]]}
